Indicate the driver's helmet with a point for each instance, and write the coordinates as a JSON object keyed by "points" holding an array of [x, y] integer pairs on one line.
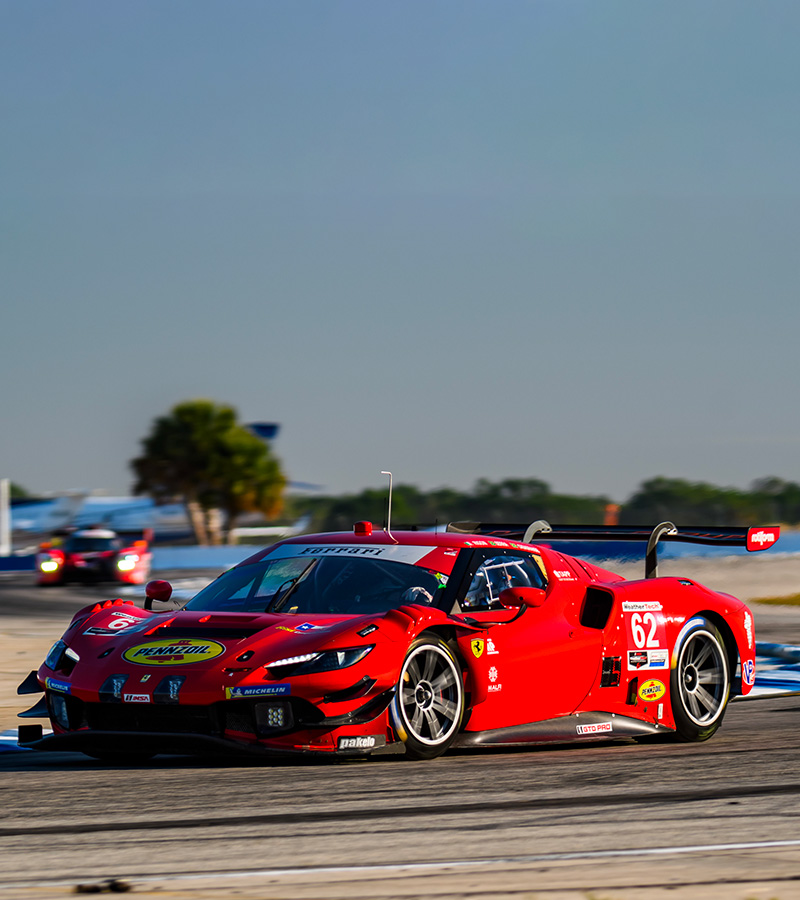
{"points": [[495, 575]]}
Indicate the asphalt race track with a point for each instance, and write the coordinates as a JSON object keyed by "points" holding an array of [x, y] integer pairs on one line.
{"points": [[720, 819]]}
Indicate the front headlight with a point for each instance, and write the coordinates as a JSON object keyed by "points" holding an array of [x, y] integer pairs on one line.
{"points": [[61, 657], [49, 565], [128, 562], [54, 654], [325, 661]]}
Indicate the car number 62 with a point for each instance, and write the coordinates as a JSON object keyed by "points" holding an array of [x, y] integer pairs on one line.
{"points": [[644, 630]]}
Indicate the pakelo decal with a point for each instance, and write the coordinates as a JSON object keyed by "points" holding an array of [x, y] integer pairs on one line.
{"points": [[361, 742], [180, 652]]}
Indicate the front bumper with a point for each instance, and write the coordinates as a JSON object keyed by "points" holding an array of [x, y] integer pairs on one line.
{"points": [[223, 727]]}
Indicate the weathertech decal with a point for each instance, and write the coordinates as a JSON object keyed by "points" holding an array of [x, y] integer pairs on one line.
{"points": [[761, 538], [181, 652], [641, 606], [599, 728]]}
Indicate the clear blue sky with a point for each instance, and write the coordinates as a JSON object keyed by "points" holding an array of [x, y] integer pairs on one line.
{"points": [[452, 239]]}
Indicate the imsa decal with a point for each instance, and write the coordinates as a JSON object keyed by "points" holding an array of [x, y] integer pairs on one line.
{"points": [[181, 652]]}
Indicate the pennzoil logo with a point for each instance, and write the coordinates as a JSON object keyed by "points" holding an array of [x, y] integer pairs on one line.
{"points": [[181, 652], [477, 645], [652, 690]]}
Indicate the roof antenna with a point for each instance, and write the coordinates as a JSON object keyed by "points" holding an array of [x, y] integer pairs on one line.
{"points": [[389, 516]]}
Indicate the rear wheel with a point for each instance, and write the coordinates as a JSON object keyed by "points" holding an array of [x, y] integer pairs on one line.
{"points": [[429, 704], [699, 681]]}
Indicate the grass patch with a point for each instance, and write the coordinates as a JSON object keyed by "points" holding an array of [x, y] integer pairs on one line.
{"points": [[791, 600]]}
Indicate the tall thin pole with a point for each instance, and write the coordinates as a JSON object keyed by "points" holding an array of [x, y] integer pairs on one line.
{"points": [[389, 516], [5, 517]]}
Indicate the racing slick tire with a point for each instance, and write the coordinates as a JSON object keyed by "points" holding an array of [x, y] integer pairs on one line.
{"points": [[428, 706], [700, 682]]}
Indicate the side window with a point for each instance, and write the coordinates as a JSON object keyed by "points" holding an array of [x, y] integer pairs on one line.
{"points": [[495, 574]]}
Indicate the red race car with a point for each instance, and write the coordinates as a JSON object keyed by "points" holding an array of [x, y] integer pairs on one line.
{"points": [[412, 641], [92, 554]]}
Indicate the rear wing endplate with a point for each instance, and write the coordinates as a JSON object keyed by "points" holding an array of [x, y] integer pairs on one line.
{"points": [[758, 538]]}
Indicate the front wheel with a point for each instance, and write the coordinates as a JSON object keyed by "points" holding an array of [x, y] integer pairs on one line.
{"points": [[429, 703], [699, 680]]}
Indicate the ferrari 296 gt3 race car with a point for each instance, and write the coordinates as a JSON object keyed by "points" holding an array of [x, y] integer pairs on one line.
{"points": [[414, 642], [92, 554]]}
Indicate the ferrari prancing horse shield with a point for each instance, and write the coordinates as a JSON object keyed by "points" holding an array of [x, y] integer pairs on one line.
{"points": [[477, 647]]}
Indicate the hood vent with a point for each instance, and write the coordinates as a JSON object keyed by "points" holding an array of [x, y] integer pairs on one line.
{"points": [[208, 631]]}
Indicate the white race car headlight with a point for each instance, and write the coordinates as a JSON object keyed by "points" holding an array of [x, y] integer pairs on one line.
{"points": [[128, 562], [323, 661]]}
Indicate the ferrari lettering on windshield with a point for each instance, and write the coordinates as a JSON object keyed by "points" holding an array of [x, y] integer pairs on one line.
{"points": [[338, 551]]}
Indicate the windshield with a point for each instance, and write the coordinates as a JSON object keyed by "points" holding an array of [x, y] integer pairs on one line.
{"points": [[320, 585], [75, 544]]}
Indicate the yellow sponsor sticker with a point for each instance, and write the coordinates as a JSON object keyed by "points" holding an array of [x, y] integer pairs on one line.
{"points": [[477, 647], [652, 690], [180, 652]]}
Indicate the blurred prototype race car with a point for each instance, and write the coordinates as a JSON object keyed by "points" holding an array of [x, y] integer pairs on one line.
{"points": [[92, 554], [370, 641]]}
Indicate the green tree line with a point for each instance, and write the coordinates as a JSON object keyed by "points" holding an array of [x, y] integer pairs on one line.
{"points": [[515, 500]]}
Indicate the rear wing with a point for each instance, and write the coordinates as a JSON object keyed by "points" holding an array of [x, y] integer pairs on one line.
{"points": [[754, 539]]}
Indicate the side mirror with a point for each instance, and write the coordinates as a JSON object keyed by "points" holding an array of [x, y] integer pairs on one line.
{"points": [[522, 596], [156, 590]]}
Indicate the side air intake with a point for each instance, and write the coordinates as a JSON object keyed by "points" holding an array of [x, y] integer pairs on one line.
{"points": [[597, 606]]}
